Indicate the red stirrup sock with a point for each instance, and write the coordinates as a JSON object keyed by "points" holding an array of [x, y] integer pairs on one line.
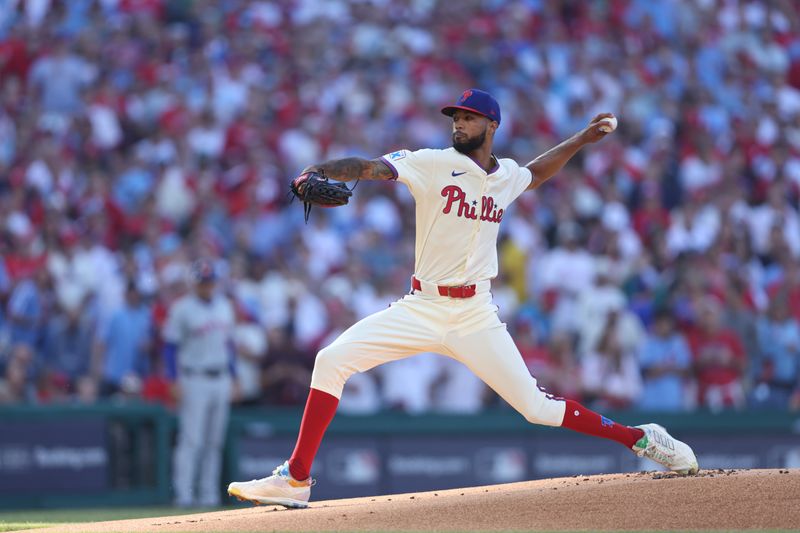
{"points": [[320, 408], [579, 418]]}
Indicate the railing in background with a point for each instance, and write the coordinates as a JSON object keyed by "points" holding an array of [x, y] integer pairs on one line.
{"points": [[99, 455]]}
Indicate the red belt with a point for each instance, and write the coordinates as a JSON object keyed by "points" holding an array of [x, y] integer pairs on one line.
{"points": [[462, 291]]}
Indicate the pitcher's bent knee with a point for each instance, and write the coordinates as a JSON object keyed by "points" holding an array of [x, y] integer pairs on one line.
{"points": [[544, 410], [331, 370]]}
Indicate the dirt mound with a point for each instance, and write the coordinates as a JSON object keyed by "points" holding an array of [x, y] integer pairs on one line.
{"points": [[714, 499]]}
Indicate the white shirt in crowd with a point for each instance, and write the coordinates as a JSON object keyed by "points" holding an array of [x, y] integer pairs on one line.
{"points": [[764, 217], [249, 338], [570, 270], [600, 378], [458, 390], [407, 383], [692, 230]]}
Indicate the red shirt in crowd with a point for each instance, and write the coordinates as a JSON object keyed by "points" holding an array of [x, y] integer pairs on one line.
{"points": [[719, 357]]}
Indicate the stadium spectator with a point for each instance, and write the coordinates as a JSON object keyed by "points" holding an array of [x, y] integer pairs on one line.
{"points": [[457, 390], [610, 370], [532, 345], [718, 357], [58, 79], [778, 213], [666, 365], [565, 368], [285, 371], [776, 366], [27, 310], [563, 273], [126, 344], [68, 343], [407, 385], [87, 390], [251, 348], [17, 385], [137, 135], [595, 303], [693, 226], [361, 394]]}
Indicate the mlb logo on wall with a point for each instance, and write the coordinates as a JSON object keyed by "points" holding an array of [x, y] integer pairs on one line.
{"points": [[400, 154], [501, 465], [354, 466]]}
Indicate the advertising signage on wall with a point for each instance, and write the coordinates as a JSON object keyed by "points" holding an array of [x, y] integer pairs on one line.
{"points": [[391, 464], [57, 456]]}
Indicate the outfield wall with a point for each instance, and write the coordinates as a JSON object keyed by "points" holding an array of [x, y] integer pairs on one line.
{"points": [[121, 454]]}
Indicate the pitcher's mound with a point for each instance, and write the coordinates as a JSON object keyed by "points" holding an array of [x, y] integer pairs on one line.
{"points": [[714, 499]]}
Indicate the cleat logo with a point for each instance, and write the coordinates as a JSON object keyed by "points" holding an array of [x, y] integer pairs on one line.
{"points": [[664, 441], [606, 422]]}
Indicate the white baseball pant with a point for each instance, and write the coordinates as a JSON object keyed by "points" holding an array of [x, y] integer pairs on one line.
{"points": [[466, 329]]}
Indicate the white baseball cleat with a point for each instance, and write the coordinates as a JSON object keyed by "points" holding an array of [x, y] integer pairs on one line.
{"points": [[666, 450], [278, 489]]}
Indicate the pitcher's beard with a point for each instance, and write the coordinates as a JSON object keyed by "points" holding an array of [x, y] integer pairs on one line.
{"points": [[470, 144]]}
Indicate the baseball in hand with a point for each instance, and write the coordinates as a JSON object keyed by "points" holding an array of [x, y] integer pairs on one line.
{"points": [[607, 125]]}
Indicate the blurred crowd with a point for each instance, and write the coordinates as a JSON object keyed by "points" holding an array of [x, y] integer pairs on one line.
{"points": [[658, 271]]}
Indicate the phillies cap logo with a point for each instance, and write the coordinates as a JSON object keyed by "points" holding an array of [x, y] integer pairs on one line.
{"points": [[466, 95]]}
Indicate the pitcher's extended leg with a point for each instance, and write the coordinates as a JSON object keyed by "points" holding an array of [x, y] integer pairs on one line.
{"points": [[492, 355], [579, 418]]}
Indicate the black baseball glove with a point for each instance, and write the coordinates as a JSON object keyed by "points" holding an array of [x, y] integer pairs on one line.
{"points": [[313, 188]]}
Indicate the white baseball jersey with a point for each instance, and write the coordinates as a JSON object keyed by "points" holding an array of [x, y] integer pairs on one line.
{"points": [[459, 208], [201, 330]]}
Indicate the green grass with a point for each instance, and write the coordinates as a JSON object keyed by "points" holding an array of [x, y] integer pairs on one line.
{"points": [[18, 525], [29, 519]]}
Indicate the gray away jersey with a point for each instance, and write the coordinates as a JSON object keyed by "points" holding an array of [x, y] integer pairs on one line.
{"points": [[201, 330]]}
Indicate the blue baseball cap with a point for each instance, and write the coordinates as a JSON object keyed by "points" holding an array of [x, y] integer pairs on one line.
{"points": [[203, 271], [476, 101]]}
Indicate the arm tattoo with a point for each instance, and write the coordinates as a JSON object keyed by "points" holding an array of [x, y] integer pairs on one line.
{"points": [[352, 168]]}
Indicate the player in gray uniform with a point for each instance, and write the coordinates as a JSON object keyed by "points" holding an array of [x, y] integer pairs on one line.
{"points": [[198, 352]]}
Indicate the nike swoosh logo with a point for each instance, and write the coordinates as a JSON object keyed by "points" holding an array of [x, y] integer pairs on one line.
{"points": [[454, 173]]}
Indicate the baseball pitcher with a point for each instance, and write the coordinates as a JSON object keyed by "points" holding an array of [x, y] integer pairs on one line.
{"points": [[461, 195]]}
